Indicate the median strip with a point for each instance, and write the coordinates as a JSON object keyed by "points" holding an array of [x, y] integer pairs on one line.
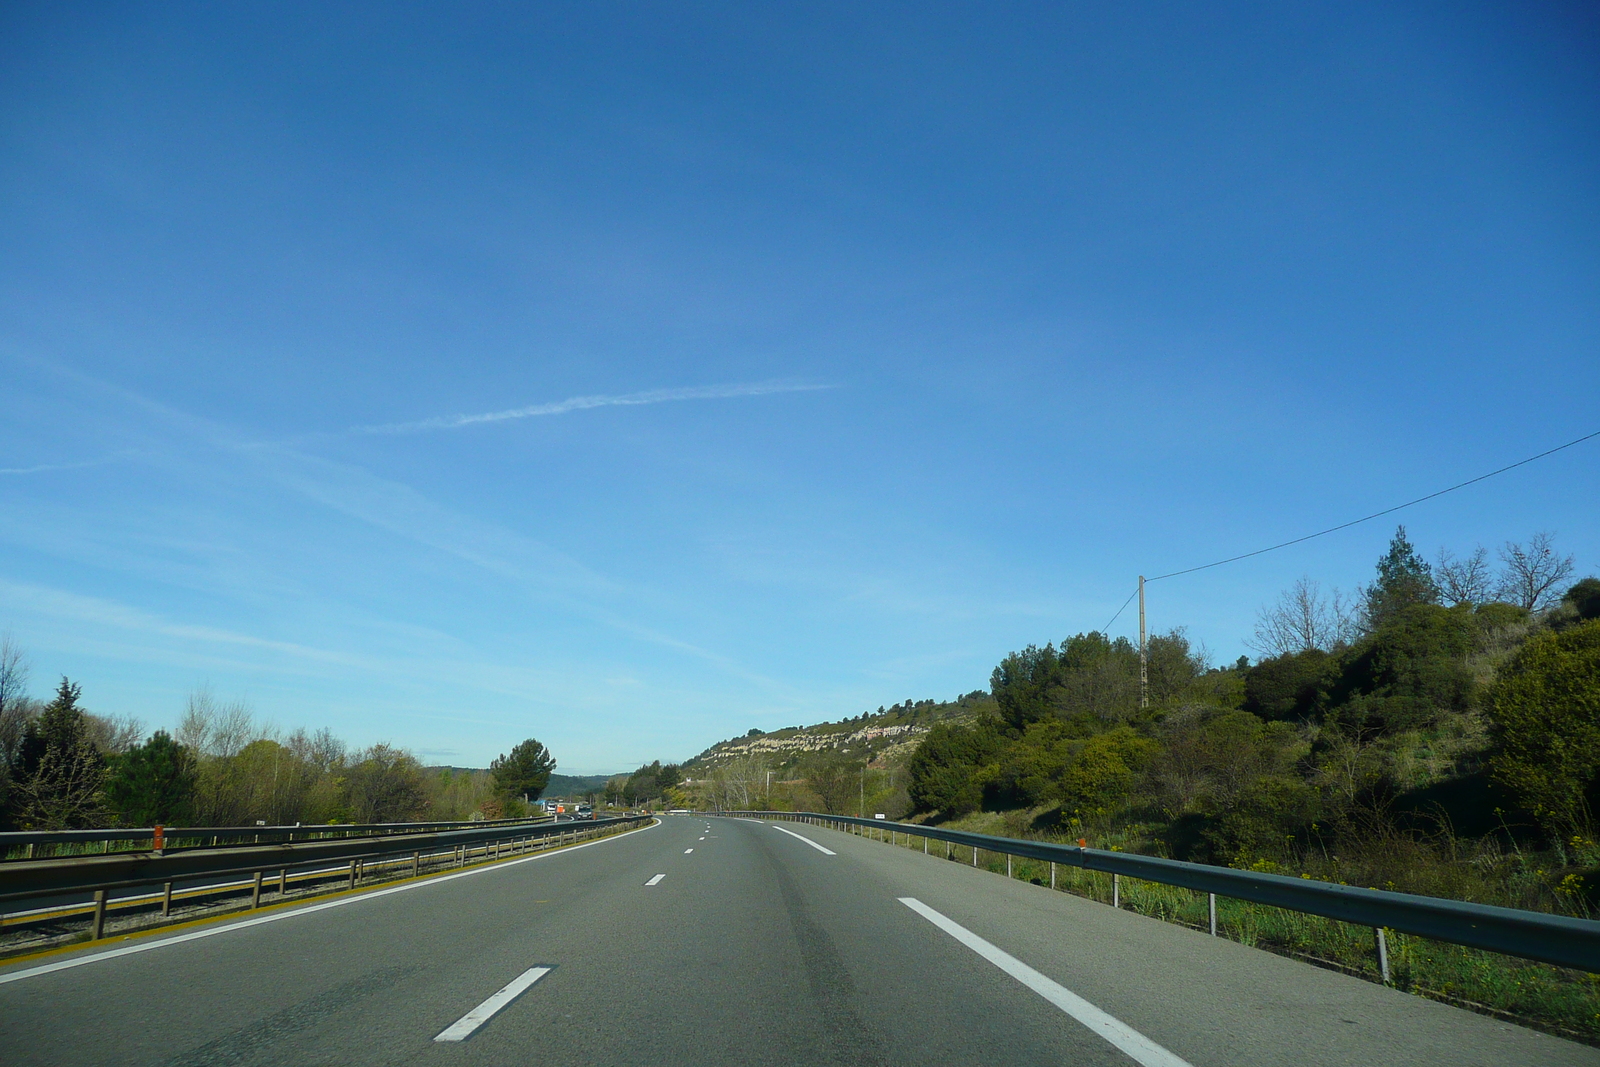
{"points": [[463, 1027], [1129, 1041]]}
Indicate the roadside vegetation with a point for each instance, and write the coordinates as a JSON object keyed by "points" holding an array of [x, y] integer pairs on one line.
{"points": [[63, 767]]}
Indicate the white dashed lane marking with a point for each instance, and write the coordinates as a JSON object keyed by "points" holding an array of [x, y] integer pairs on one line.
{"points": [[463, 1027]]}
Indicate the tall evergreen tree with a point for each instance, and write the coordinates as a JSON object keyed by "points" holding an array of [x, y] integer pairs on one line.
{"points": [[1404, 578], [524, 772], [58, 771]]}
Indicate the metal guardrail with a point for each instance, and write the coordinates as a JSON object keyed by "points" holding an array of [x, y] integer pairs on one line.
{"points": [[22, 879], [144, 835], [73, 875], [1557, 939]]}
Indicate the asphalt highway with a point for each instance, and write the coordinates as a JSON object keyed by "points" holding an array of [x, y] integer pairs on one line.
{"points": [[720, 942]]}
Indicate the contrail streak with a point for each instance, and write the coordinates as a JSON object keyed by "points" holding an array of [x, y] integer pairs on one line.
{"points": [[583, 403]]}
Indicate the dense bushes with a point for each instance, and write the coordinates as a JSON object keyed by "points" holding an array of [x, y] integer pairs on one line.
{"points": [[952, 766], [1290, 686], [1407, 672], [1545, 707]]}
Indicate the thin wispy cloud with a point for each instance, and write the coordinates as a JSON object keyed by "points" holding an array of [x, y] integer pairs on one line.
{"points": [[72, 607], [584, 403], [45, 468], [405, 512]]}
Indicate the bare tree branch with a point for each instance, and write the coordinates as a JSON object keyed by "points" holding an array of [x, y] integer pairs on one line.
{"points": [[1534, 573], [1464, 580], [1303, 618]]}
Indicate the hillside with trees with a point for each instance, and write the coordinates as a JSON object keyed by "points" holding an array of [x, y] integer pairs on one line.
{"points": [[843, 766], [1436, 731]]}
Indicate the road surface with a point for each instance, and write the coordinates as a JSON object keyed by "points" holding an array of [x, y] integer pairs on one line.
{"points": [[721, 942]]}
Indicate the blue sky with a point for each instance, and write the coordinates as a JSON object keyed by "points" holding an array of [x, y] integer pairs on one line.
{"points": [[842, 348]]}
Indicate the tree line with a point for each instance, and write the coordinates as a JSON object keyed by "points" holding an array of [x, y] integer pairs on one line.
{"points": [[653, 784], [63, 767]]}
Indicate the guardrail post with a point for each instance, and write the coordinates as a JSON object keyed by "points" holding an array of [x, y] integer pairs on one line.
{"points": [[1052, 874], [924, 844], [947, 850], [352, 874], [416, 864], [99, 928], [1211, 903], [1008, 865], [255, 892], [974, 855], [1383, 954], [1116, 890], [283, 883], [166, 900]]}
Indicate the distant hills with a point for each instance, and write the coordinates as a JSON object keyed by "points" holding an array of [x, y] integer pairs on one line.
{"points": [[561, 785], [888, 732], [572, 785]]}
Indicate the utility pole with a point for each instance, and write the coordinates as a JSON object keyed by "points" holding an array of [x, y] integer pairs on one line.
{"points": [[1144, 659]]}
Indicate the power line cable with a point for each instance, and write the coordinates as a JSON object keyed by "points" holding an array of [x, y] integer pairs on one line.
{"points": [[1366, 518], [1120, 610]]}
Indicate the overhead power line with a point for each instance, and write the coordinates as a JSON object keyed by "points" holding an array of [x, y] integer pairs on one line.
{"points": [[1367, 518], [1346, 525], [1120, 610]]}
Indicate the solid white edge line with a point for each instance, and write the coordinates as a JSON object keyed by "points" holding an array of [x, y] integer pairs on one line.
{"points": [[146, 946], [462, 1028], [656, 880], [1130, 1041], [807, 840]]}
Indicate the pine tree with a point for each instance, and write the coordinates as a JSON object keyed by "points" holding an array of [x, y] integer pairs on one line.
{"points": [[152, 784], [1404, 578], [526, 770], [58, 772]]}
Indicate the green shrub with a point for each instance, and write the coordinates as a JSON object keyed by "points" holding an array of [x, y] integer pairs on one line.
{"points": [[1584, 598], [1288, 686], [1106, 768], [1407, 671], [947, 769], [1545, 713]]}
